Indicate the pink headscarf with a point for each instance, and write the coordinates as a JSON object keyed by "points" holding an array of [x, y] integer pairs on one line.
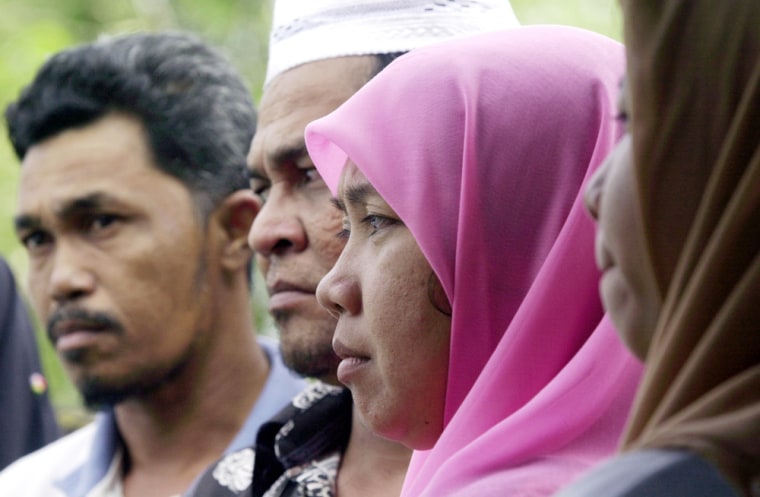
{"points": [[482, 146]]}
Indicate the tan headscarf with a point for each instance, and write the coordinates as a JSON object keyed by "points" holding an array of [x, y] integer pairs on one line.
{"points": [[694, 81]]}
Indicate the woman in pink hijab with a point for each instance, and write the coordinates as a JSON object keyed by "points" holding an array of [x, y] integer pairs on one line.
{"points": [[470, 325]]}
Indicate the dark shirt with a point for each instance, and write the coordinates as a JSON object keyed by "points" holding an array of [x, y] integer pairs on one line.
{"points": [[652, 473], [297, 453], [27, 421]]}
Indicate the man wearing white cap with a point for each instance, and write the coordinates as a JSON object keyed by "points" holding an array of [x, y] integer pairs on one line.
{"points": [[321, 52]]}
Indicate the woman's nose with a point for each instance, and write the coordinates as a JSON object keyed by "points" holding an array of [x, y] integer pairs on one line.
{"points": [[339, 290]]}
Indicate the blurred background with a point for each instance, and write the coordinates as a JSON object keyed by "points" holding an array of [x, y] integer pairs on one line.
{"points": [[31, 30]]}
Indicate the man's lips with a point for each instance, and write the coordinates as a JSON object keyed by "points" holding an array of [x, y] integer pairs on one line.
{"points": [[71, 335], [71, 329], [70, 326], [284, 295]]}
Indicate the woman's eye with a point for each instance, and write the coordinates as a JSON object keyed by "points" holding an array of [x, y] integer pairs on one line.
{"points": [[345, 231], [376, 222], [622, 117]]}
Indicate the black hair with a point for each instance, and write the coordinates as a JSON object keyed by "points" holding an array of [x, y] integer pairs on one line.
{"points": [[384, 59], [193, 104]]}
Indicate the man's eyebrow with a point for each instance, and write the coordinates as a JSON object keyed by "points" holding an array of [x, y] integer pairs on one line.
{"points": [[288, 153], [25, 222], [86, 203], [255, 174], [67, 210]]}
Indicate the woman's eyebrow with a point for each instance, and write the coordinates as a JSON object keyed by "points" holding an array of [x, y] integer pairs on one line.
{"points": [[354, 194], [357, 193], [338, 204]]}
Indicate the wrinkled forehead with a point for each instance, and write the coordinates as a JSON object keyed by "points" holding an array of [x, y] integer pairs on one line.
{"points": [[299, 96]]}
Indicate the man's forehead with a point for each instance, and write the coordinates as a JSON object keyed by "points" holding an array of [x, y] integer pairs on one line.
{"points": [[318, 85], [271, 147], [298, 96], [281, 150]]}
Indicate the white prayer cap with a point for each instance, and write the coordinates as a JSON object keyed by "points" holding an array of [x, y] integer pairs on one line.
{"points": [[308, 30]]}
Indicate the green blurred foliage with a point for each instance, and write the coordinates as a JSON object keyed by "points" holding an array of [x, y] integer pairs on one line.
{"points": [[32, 30], [602, 16]]}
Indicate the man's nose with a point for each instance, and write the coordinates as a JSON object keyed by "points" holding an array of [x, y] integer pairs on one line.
{"points": [[69, 277], [277, 228]]}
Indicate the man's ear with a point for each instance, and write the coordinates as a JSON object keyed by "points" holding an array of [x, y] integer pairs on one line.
{"points": [[236, 214]]}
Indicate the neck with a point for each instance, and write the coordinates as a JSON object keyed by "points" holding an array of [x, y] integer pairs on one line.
{"points": [[372, 466], [172, 434]]}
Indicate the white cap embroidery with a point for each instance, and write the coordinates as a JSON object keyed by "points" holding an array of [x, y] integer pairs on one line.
{"points": [[308, 30]]}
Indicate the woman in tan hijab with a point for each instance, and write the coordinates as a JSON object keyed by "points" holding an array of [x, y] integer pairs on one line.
{"points": [[678, 207]]}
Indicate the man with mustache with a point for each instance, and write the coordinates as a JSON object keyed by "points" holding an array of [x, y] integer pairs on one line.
{"points": [[133, 209], [321, 52]]}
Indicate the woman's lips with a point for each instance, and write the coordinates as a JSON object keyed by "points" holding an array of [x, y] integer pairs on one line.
{"points": [[352, 362], [350, 367], [602, 256]]}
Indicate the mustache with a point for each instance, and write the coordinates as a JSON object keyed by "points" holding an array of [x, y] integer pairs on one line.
{"points": [[89, 319]]}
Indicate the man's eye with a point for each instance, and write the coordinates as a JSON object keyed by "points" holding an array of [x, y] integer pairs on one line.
{"points": [[35, 240], [258, 182], [261, 189], [103, 221], [97, 224], [309, 175]]}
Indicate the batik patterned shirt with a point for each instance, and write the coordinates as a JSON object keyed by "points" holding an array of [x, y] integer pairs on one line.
{"points": [[297, 453]]}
